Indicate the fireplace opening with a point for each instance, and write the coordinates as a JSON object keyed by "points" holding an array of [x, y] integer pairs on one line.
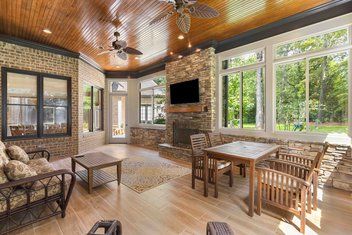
{"points": [[182, 132]]}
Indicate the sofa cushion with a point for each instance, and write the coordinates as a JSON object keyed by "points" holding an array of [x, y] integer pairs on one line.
{"points": [[16, 170], [40, 165], [17, 153], [2, 145]]}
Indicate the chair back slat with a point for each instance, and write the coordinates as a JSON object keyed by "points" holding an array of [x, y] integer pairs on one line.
{"points": [[198, 143], [215, 139]]}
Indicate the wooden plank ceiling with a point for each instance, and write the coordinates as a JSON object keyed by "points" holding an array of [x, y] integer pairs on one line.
{"points": [[83, 25]]}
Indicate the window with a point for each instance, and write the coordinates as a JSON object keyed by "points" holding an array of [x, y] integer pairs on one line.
{"points": [[92, 108], [312, 93], [243, 92], [314, 43], [38, 105], [152, 101]]}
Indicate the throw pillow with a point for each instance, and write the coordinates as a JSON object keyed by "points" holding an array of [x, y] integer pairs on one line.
{"points": [[17, 153], [16, 170]]}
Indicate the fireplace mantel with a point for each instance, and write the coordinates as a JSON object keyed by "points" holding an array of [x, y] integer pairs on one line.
{"points": [[195, 108]]}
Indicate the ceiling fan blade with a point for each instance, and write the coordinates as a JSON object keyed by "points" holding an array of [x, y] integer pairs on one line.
{"points": [[121, 43], [122, 55], [161, 17], [184, 22], [201, 10], [104, 52], [132, 51]]}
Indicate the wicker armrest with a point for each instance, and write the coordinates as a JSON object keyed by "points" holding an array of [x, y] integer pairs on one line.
{"points": [[31, 180], [39, 153]]}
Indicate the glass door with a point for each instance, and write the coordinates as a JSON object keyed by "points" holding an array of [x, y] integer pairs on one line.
{"points": [[118, 128]]}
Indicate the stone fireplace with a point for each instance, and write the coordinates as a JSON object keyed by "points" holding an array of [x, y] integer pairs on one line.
{"points": [[183, 120]]}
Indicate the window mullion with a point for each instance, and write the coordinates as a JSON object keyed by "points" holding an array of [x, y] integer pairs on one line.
{"points": [[307, 95], [153, 105], [40, 108], [241, 100]]}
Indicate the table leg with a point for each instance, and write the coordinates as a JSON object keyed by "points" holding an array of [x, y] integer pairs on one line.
{"points": [[119, 173], [251, 188], [205, 172], [90, 181]]}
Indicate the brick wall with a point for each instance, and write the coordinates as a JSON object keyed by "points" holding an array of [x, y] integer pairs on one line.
{"points": [[19, 57], [90, 76], [199, 65]]}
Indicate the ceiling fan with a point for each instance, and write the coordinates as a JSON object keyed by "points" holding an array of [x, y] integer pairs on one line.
{"points": [[121, 48], [185, 9]]}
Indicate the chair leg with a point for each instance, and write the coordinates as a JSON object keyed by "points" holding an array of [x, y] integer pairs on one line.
{"points": [[231, 177], [303, 210], [315, 192], [193, 179], [259, 194], [215, 184], [244, 170]]}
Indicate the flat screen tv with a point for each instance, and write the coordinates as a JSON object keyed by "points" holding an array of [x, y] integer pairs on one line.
{"points": [[185, 92]]}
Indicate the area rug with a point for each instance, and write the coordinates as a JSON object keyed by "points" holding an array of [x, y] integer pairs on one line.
{"points": [[143, 173]]}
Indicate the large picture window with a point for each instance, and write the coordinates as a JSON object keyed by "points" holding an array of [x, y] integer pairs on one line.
{"points": [[37, 105], [312, 92], [152, 101], [243, 92], [92, 108]]}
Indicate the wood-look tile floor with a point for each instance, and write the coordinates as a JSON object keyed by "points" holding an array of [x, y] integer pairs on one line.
{"points": [[175, 208]]}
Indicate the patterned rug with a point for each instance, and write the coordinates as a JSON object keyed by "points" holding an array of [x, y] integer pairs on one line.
{"points": [[143, 173]]}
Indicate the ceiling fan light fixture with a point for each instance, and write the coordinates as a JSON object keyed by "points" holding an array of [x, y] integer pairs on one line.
{"points": [[171, 53], [180, 56], [189, 45], [198, 50], [136, 58], [181, 37], [47, 31]]}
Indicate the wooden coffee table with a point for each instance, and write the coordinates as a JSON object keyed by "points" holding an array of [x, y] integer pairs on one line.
{"points": [[93, 162]]}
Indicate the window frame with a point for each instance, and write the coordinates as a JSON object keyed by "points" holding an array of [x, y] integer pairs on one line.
{"points": [[91, 125], [240, 70], [40, 104], [152, 88]]}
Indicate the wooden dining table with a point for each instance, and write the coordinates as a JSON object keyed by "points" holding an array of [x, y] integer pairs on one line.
{"points": [[248, 153]]}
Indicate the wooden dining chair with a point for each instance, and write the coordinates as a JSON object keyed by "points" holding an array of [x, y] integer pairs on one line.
{"points": [[304, 161], [216, 167], [217, 139], [287, 190]]}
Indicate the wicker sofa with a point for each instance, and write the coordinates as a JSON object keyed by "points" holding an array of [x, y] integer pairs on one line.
{"points": [[38, 192]]}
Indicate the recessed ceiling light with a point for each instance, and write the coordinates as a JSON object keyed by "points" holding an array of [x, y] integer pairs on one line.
{"points": [[117, 66], [171, 53], [181, 37], [47, 31], [198, 50], [189, 45], [136, 58], [180, 56]]}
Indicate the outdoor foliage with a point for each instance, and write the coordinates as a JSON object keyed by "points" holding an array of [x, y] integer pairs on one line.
{"points": [[327, 87]]}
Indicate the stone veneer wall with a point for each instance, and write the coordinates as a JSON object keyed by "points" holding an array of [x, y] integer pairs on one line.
{"points": [[19, 57], [336, 168], [199, 65], [147, 137], [24, 58], [90, 76]]}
